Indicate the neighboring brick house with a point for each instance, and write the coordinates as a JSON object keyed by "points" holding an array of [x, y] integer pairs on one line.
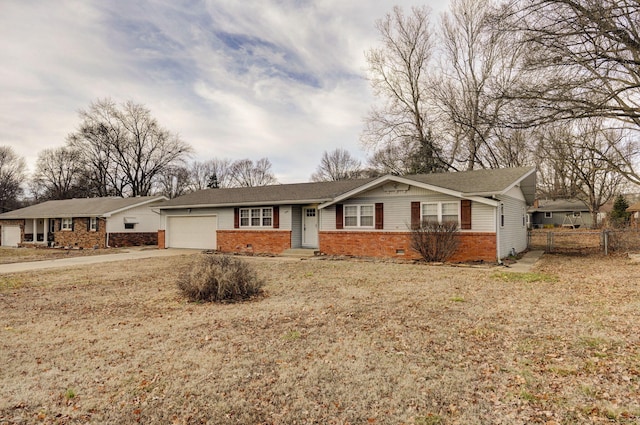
{"points": [[83, 223], [367, 217]]}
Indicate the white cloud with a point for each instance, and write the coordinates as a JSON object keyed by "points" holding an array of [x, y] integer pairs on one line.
{"points": [[282, 79]]}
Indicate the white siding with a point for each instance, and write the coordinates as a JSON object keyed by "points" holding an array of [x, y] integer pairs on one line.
{"points": [[225, 216], [296, 226], [147, 220], [513, 234], [397, 209]]}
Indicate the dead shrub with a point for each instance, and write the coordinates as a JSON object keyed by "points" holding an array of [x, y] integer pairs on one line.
{"points": [[220, 278], [435, 241]]}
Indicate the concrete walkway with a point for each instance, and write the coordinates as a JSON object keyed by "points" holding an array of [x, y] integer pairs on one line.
{"points": [[524, 264], [130, 254]]}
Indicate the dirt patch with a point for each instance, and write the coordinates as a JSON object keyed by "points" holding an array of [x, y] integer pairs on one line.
{"points": [[332, 342]]}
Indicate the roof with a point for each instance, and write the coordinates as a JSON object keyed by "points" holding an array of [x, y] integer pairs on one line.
{"points": [[554, 205], [635, 207], [80, 207], [467, 183]]}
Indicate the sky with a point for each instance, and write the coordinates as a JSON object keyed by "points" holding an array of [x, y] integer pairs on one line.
{"points": [[283, 79]]}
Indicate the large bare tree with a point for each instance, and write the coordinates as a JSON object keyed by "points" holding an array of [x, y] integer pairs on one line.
{"points": [[399, 75], [125, 147], [59, 174], [215, 172], [12, 174], [478, 62], [338, 164], [246, 173]]}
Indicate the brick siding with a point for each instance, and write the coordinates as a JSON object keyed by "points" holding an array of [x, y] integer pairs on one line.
{"points": [[473, 246], [133, 239], [254, 241], [80, 237], [162, 239]]}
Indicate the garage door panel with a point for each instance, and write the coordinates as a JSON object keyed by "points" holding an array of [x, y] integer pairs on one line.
{"points": [[192, 232], [10, 236]]}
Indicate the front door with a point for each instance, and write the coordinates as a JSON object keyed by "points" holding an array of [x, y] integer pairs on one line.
{"points": [[310, 227]]}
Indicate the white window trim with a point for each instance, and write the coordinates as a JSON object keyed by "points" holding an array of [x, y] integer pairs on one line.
{"points": [[548, 214], [439, 209], [66, 224], [262, 217], [359, 216], [93, 224]]}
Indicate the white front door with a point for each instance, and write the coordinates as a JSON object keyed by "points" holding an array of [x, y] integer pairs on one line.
{"points": [[310, 227]]}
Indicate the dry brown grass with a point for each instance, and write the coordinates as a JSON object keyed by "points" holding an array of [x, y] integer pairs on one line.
{"points": [[21, 255], [333, 342]]}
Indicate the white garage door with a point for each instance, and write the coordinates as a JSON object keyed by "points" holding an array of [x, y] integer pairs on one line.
{"points": [[10, 236], [192, 232]]}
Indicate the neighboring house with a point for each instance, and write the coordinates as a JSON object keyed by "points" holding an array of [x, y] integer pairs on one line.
{"points": [[368, 217], [559, 213], [83, 223], [635, 215]]}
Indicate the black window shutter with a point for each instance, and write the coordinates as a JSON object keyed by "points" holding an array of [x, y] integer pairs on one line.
{"points": [[379, 215], [339, 216], [59, 223], [276, 217], [236, 218], [88, 224], [465, 214], [415, 215], [97, 223], [73, 226]]}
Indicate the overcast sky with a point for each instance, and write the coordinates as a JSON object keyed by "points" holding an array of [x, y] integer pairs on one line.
{"points": [[283, 79]]}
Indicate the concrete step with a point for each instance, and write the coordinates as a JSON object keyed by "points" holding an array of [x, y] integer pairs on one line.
{"points": [[300, 252]]}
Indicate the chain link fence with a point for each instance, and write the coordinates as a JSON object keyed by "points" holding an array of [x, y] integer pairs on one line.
{"points": [[584, 242]]}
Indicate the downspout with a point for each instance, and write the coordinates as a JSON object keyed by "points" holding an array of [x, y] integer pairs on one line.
{"points": [[496, 214]]}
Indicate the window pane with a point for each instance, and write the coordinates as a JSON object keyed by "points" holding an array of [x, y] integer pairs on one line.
{"points": [[429, 212], [366, 215], [351, 210], [244, 217], [255, 217], [450, 212], [351, 215], [266, 217]]}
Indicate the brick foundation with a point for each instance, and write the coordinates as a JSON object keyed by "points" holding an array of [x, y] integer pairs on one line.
{"points": [[162, 239], [133, 239], [473, 246], [254, 241]]}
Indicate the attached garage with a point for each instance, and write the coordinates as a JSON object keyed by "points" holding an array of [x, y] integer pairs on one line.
{"points": [[191, 232], [10, 235]]}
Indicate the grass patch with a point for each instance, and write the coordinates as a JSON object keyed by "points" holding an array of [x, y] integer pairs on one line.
{"points": [[529, 277]]}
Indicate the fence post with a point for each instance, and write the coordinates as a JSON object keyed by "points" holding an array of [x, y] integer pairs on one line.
{"points": [[605, 237], [549, 241]]}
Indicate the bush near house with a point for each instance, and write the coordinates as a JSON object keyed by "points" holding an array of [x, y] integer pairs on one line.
{"points": [[435, 241]]}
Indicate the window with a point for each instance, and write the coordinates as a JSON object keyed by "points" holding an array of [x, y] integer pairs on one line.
{"points": [[256, 217], [501, 215], [358, 216], [129, 226], [441, 212], [93, 224], [67, 224], [52, 225], [548, 214], [577, 214]]}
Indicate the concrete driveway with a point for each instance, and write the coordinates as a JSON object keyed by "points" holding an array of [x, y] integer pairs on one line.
{"points": [[130, 254]]}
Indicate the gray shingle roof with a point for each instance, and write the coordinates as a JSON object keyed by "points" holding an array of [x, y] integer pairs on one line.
{"points": [[470, 182], [80, 207], [557, 205]]}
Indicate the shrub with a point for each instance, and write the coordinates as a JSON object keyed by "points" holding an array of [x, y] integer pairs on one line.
{"points": [[435, 241], [220, 278]]}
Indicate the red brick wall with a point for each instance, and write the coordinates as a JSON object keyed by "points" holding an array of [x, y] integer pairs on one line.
{"points": [[254, 241], [473, 246], [80, 236], [133, 239], [161, 239]]}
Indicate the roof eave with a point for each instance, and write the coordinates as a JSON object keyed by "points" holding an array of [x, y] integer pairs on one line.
{"points": [[245, 204]]}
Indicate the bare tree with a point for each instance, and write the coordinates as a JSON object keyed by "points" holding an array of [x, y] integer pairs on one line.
{"points": [[478, 62], [399, 76], [337, 165], [12, 174], [205, 173], [174, 181], [59, 174], [577, 163], [125, 147], [246, 173]]}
